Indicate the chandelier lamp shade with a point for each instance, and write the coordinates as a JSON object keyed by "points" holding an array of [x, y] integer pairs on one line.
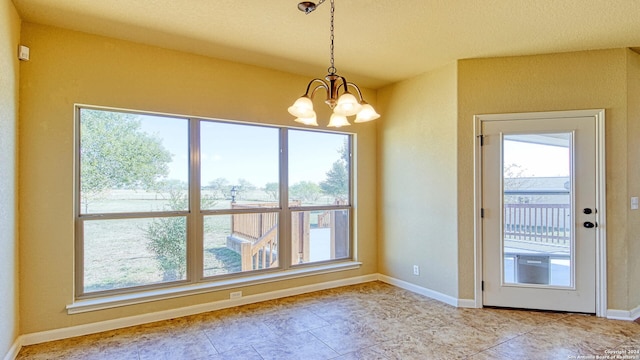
{"points": [[336, 88]]}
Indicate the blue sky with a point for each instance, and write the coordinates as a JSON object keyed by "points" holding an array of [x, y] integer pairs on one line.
{"points": [[235, 151]]}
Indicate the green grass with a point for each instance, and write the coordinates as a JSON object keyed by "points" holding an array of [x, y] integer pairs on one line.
{"points": [[218, 259], [116, 253]]}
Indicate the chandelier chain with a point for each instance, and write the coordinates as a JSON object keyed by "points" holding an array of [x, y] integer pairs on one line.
{"points": [[332, 68], [339, 99]]}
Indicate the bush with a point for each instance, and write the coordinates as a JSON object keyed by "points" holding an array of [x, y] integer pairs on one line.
{"points": [[168, 238]]}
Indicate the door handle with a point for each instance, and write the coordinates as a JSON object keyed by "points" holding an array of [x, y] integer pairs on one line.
{"points": [[589, 224]]}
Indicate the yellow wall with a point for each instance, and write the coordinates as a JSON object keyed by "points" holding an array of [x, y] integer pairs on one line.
{"points": [[568, 81], [69, 67], [426, 159], [9, 38], [418, 175], [633, 169], [423, 145]]}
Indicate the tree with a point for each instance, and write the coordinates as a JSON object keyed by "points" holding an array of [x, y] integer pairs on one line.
{"points": [[306, 191], [220, 188], [167, 236], [272, 189], [115, 153], [243, 188], [344, 151], [337, 182], [515, 179], [168, 240]]}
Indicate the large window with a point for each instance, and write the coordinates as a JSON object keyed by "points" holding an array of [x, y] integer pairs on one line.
{"points": [[164, 200]]}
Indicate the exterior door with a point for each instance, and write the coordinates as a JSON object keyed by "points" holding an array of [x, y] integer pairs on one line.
{"points": [[540, 212]]}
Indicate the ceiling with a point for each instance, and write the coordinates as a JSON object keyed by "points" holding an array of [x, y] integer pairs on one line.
{"points": [[376, 42]]}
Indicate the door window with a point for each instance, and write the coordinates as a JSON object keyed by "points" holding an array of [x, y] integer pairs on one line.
{"points": [[537, 220]]}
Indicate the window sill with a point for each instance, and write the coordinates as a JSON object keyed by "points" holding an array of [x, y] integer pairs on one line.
{"points": [[108, 302]]}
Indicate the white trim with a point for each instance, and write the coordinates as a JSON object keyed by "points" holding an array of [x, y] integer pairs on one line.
{"points": [[601, 234], [424, 291], [477, 204], [108, 302], [628, 315], [542, 115], [601, 216], [466, 303], [80, 330], [15, 349]]}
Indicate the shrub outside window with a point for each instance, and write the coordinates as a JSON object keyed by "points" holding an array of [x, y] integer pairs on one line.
{"points": [[165, 200]]}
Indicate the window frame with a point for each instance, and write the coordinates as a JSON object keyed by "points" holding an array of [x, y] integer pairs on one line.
{"points": [[349, 207], [195, 215]]}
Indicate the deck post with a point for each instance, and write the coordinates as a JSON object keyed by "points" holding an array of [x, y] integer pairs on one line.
{"points": [[245, 256]]}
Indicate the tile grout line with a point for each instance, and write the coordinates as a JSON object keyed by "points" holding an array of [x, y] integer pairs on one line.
{"points": [[324, 343]]}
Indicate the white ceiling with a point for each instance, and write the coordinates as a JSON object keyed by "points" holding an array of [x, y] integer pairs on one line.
{"points": [[376, 42]]}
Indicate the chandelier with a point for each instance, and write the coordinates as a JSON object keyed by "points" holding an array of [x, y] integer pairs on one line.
{"points": [[340, 100]]}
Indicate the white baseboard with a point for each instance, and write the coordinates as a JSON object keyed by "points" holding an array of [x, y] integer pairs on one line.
{"points": [[15, 349], [428, 292], [467, 303], [628, 315], [80, 330]]}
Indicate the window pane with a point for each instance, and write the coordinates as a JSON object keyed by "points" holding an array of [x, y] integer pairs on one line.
{"points": [[133, 252], [240, 165], [240, 242], [319, 235], [318, 168], [537, 218], [132, 163]]}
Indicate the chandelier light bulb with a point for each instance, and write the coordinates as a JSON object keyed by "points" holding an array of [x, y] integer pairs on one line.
{"points": [[302, 108], [338, 120], [311, 120], [347, 105], [367, 113]]}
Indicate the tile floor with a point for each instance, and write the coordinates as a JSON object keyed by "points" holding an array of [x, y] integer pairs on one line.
{"points": [[368, 321]]}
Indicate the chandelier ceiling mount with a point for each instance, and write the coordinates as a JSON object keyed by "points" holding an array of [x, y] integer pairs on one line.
{"points": [[336, 87]]}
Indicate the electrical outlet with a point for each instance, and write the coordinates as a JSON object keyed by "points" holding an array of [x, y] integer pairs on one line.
{"points": [[416, 270], [235, 295]]}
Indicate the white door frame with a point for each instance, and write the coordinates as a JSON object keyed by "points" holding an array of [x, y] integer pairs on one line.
{"points": [[601, 233]]}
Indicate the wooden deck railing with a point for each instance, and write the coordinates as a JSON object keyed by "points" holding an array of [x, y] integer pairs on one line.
{"points": [[324, 219], [545, 223], [262, 254], [253, 226], [257, 234]]}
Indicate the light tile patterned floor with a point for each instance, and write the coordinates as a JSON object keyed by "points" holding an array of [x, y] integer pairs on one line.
{"points": [[368, 321]]}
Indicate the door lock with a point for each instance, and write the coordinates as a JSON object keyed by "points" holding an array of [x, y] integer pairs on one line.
{"points": [[589, 224]]}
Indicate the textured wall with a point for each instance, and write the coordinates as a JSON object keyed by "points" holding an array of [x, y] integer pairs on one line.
{"points": [[633, 165], [9, 70], [417, 186], [70, 67]]}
